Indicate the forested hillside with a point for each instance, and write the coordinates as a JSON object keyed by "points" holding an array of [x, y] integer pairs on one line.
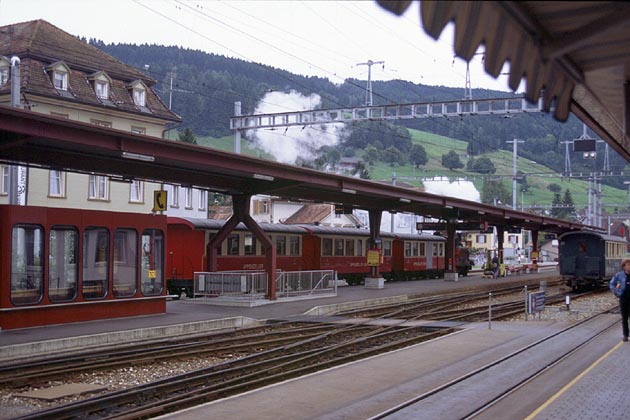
{"points": [[205, 87]]}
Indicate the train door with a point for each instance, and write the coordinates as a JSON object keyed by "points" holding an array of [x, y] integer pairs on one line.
{"points": [[432, 252]]}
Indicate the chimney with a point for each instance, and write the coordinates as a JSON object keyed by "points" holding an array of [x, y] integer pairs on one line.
{"points": [[15, 81]]}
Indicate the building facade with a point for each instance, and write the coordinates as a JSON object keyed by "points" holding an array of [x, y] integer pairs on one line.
{"points": [[49, 71]]}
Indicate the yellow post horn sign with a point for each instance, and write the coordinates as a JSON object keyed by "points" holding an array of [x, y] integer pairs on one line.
{"points": [[159, 200]]}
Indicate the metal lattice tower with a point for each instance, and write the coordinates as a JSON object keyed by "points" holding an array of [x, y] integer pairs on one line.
{"points": [[368, 91]]}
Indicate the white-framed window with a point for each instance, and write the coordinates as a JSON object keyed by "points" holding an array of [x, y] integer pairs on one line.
{"points": [[481, 239], [4, 179], [101, 123], [56, 183], [175, 196], [99, 188], [139, 97], [4, 75], [59, 74], [102, 89], [261, 206], [203, 199], [138, 130], [60, 115], [188, 197], [136, 191], [60, 80]]}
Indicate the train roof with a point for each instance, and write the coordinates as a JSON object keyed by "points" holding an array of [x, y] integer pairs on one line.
{"points": [[197, 223], [214, 224], [600, 235]]}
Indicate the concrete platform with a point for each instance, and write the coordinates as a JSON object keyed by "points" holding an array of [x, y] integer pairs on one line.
{"points": [[365, 389], [361, 389]]}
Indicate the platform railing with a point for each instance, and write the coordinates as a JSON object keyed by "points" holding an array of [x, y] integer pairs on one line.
{"points": [[242, 284], [298, 283], [252, 285]]}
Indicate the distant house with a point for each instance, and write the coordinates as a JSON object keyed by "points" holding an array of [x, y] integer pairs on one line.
{"points": [[322, 215], [64, 77]]}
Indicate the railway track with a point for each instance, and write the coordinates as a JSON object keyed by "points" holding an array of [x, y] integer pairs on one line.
{"points": [[252, 358], [237, 376], [512, 371]]}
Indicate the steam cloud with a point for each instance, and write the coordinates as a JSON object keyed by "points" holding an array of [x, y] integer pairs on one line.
{"points": [[459, 188], [290, 143]]}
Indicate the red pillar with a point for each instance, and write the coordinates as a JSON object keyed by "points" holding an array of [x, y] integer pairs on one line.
{"points": [[451, 262], [240, 206], [375, 237], [535, 248]]}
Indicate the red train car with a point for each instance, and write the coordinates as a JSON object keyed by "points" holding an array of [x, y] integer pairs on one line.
{"points": [[298, 248], [64, 265]]}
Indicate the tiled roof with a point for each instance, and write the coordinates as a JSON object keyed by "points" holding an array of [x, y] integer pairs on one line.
{"points": [[220, 212], [309, 214], [39, 44]]}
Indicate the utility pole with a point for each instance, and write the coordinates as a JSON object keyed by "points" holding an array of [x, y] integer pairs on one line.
{"points": [[567, 158], [368, 92], [467, 87], [515, 143]]}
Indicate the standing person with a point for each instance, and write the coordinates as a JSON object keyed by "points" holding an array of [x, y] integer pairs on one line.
{"points": [[620, 286], [495, 266]]}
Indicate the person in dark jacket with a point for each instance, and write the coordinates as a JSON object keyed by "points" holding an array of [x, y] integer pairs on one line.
{"points": [[620, 286]]}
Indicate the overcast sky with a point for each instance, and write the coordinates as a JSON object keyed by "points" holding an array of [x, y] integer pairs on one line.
{"points": [[320, 38]]}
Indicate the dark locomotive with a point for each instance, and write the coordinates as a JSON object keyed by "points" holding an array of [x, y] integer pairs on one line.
{"points": [[589, 259]]}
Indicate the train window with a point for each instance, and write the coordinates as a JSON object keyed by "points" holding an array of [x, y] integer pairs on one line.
{"points": [[232, 244], [440, 250], [423, 249], [435, 250], [360, 252], [95, 263], [281, 245], [294, 245], [481, 239], [152, 268], [338, 247], [415, 249], [350, 247], [27, 264], [63, 267], [327, 246], [407, 249], [249, 243], [124, 279], [387, 248]]}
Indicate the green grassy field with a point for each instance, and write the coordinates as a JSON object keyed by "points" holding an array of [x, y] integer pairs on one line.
{"points": [[539, 178]]}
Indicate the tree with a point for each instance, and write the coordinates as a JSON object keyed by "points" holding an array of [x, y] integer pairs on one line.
{"points": [[187, 136], [493, 192], [556, 206], [483, 165], [371, 154], [418, 155], [569, 206], [393, 156], [554, 188], [451, 161]]}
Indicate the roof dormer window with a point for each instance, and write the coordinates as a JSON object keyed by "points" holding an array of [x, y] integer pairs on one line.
{"points": [[5, 70], [139, 97], [102, 89], [138, 92], [59, 74], [101, 83], [60, 80]]}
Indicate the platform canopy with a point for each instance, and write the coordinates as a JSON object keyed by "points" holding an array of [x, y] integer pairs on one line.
{"points": [[574, 55], [51, 142]]}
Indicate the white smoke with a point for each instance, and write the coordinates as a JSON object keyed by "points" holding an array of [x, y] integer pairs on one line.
{"points": [[287, 144], [458, 188]]}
